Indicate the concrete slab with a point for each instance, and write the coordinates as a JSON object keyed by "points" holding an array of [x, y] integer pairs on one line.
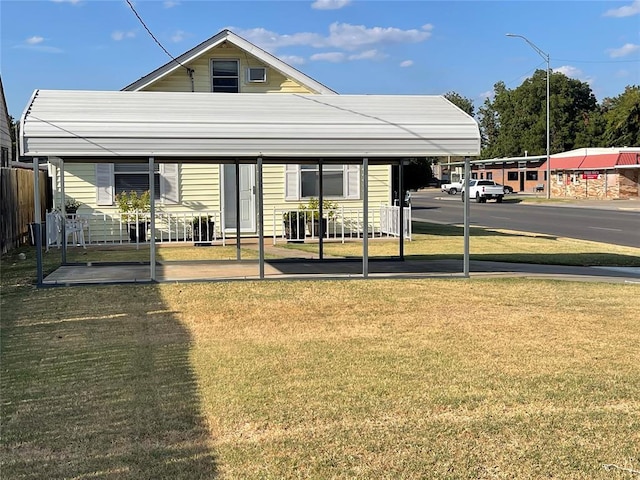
{"points": [[310, 269]]}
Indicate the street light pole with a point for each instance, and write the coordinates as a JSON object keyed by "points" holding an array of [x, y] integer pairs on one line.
{"points": [[545, 56]]}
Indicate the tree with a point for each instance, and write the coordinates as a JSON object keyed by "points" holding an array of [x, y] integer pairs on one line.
{"points": [[622, 118], [514, 122], [463, 103]]}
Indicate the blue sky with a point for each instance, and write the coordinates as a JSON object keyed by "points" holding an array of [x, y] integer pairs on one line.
{"points": [[355, 47]]}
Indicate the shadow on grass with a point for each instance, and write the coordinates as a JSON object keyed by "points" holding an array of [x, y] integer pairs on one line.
{"points": [[425, 228], [97, 383], [569, 259]]}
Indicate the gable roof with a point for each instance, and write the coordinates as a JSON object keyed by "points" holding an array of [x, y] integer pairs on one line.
{"points": [[218, 39], [207, 127]]}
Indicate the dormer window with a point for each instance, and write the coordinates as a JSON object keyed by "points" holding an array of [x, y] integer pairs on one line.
{"points": [[225, 76], [257, 74]]}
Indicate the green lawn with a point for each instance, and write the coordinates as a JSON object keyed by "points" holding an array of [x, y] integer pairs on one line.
{"points": [[502, 378], [433, 241]]}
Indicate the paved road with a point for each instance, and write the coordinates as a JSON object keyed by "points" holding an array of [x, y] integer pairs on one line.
{"points": [[609, 221]]}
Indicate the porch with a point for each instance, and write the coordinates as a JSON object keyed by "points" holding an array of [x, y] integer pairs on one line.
{"points": [[205, 227]]}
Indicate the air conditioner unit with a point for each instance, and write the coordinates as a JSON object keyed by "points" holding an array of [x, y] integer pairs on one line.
{"points": [[257, 74]]}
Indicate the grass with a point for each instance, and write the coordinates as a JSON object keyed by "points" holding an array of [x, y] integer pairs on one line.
{"points": [[128, 253], [435, 241], [442, 379]]}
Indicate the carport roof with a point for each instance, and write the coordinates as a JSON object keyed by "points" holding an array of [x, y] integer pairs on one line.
{"points": [[209, 127]]}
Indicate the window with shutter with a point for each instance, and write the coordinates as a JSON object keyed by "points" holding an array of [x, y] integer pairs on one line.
{"points": [[112, 179], [338, 181]]}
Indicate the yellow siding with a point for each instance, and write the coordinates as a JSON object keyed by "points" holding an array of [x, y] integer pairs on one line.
{"points": [[179, 80], [200, 185]]}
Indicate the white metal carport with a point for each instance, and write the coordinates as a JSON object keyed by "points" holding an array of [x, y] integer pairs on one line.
{"points": [[98, 126]]}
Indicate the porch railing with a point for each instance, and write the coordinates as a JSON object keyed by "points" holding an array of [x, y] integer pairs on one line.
{"points": [[206, 227], [110, 229], [342, 223]]}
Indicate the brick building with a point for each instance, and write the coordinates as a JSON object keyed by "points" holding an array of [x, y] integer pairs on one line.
{"points": [[598, 173]]}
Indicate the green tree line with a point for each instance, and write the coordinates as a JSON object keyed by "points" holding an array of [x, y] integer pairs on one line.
{"points": [[513, 121]]}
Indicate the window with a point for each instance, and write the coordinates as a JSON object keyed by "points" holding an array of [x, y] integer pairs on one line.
{"points": [[338, 181], [224, 76], [115, 178], [532, 175], [512, 176], [135, 177], [489, 175], [332, 180], [257, 74]]}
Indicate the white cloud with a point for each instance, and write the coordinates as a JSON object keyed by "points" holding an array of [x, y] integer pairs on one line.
{"points": [[330, 4], [341, 35], [334, 57], [406, 63], [72, 2], [178, 36], [626, 11], [626, 49], [34, 40], [35, 44], [271, 41], [569, 71], [575, 73], [292, 59], [119, 35], [170, 3], [368, 55], [352, 37]]}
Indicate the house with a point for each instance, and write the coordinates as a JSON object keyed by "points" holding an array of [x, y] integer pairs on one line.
{"points": [[6, 150], [223, 64]]}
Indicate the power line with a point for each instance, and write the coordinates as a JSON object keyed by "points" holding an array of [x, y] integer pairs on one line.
{"points": [[189, 70], [595, 61]]}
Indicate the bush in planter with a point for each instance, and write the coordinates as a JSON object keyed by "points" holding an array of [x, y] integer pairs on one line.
{"points": [[71, 206], [203, 228], [311, 212], [134, 208]]}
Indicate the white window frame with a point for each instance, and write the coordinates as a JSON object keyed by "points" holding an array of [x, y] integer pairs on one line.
{"points": [[237, 76], [252, 69], [350, 182]]}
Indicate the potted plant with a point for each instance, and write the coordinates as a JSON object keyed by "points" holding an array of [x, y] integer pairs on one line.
{"points": [[203, 227], [311, 212], [71, 206], [134, 208], [294, 226]]}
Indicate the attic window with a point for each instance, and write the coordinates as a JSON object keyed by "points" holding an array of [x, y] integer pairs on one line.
{"points": [[257, 74]]}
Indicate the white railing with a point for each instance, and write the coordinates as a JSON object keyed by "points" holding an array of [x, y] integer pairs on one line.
{"points": [[342, 223], [390, 221], [110, 229]]}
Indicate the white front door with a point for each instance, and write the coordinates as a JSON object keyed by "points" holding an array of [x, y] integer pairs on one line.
{"points": [[247, 197]]}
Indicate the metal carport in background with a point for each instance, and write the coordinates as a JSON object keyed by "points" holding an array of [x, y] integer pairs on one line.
{"points": [[165, 127]]}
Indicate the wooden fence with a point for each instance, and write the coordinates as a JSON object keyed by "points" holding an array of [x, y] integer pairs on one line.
{"points": [[17, 205]]}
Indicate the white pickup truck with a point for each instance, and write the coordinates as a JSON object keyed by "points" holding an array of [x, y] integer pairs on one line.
{"points": [[453, 187], [483, 190]]}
